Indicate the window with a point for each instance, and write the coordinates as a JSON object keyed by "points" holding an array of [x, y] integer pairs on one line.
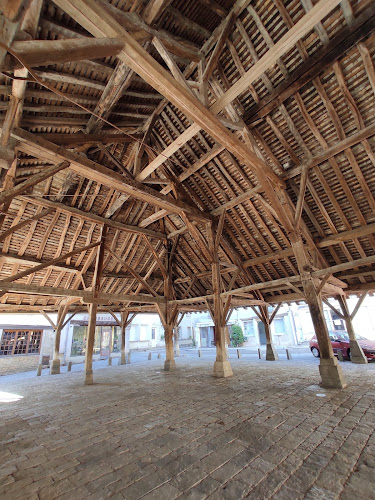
{"points": [[338, 323], [20, 342], [279, 326], [104, 337], [249, 328], [153, 333]]}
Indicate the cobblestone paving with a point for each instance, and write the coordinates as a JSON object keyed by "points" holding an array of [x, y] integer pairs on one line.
{"points": [[139, 432]]}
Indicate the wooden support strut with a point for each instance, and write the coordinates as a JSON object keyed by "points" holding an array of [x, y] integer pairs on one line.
{"points": [[355, 352]]}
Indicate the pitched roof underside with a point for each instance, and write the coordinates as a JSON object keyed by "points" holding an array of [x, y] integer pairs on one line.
{"points": [[309, 116]]}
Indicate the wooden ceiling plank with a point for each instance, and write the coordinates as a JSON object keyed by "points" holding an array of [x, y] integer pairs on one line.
{"points": [[47, 264], [361, 27], [24, 222], [90, 216]]}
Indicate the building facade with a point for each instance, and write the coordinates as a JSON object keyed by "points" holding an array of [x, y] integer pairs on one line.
{"points": [[33, 334]]}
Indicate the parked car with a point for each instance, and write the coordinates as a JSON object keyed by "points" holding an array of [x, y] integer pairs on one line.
{"points": [[340, 342]]}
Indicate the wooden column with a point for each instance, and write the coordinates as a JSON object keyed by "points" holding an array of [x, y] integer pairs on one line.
{"points": [[124, 317], [222, 367], [93, 307], [55, 365], [125, 322], [330, 370], [177, 336], [356, 352], [168, 315], [271, 354]]}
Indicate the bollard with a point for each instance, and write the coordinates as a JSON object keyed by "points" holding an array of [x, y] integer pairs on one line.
{"points": [[39, 370], [109, 361], [70, 366], [238, 353], [199, 353], [159, 355], [128, 357], [149, 355], [259, 354], [288, 354], [339, 355]]}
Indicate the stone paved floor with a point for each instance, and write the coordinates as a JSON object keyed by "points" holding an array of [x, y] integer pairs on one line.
{"points": [[268, 432]]}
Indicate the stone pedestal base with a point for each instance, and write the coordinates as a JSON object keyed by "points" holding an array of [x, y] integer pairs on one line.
{"points": [[271, 354], [331, 373], [89, 379], [177, 353], [169, 365], [55, 367], [222, 369], [357, 354]]}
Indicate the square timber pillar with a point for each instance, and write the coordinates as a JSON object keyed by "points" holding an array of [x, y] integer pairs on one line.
{"points": [[222, 367], [329, 368], [271, 353], [55, 364], [93, 308], [89, 379], [169, 363], [125, 336]]}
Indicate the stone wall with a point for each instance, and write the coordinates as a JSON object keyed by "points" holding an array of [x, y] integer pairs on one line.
{"points": [[16, 364]]}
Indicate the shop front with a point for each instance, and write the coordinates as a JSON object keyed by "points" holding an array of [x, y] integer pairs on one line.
{"points": [[107, 338]]}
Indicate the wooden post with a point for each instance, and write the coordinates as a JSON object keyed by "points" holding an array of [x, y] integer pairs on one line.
{"points": [[168, 316], [329, 368], [124, 347], [271, 354], [356, 352], [55, 365], [89, 380], [93, 307], [222, 367], [177, 336]]}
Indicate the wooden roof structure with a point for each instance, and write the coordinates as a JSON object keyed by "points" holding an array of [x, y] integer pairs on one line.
{"points": [[159, 137]]}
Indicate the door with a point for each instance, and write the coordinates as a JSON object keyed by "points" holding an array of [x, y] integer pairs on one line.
{"points": [[106, 339], [262, 333], [204, 336]]}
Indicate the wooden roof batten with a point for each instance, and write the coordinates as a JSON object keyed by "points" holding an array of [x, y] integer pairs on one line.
{"points": [[271, 236]]}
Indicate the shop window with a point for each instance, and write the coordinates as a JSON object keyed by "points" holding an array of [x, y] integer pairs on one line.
{"points": [[15, 342], [106, 340]]}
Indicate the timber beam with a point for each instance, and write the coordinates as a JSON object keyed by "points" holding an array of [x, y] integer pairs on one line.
{"points": [[86, 296], [96, 172]]}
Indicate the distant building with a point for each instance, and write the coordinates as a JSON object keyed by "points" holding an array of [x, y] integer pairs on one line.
{"points": [[33, 334]]}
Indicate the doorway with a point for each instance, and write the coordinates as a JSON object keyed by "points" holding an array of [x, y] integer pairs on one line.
{"points": [[262, 333]]}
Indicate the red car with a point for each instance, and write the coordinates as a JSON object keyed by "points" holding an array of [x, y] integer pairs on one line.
{"points": [[340, 342]]}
